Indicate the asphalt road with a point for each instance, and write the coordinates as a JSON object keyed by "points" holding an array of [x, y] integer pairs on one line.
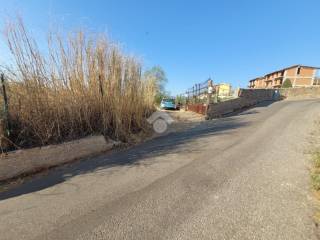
{"points": [[242, 177]]}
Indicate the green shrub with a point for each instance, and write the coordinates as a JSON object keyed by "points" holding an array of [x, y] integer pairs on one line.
{"points": [[287, 83]]}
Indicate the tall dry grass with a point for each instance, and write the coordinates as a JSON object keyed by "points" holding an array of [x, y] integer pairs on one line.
{"points": [[81, 85]]}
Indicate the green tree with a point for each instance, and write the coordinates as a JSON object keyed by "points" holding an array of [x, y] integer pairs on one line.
{"points": [[157, 76], [287, 83]]}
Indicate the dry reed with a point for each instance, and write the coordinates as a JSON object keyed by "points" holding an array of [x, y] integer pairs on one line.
{"points": [[80, 86]]}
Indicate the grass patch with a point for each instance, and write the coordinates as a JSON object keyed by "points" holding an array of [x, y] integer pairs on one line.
{"points": [[315, 175], [315, 181], [315, 170]]}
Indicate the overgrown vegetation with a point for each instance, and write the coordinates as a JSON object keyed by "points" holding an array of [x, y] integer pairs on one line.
{"points": [[287, 83], [80, 86]]}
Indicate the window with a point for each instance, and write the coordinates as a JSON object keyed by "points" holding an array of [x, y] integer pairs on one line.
{"points": [[298, 70], [316, 81]]}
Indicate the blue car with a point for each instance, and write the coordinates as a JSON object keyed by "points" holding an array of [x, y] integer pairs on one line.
{"points": [[167, 103]]}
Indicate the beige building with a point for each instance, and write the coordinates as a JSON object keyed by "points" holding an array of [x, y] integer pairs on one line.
{"points": [[224, 90], [299, 75]]}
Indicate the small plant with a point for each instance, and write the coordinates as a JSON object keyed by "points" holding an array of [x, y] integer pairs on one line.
{"points": [[287, 83]]}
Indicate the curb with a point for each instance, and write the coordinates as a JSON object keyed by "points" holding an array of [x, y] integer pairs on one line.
{"points": [[28, 161]]}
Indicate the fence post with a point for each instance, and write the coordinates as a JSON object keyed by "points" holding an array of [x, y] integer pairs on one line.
{"points": [[5, 121], [187, 99], [193, 93], [196, 93]]}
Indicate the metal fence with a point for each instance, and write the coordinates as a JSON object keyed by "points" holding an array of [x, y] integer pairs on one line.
{"points": [[198, 93], [198, 89], [196, 97]]}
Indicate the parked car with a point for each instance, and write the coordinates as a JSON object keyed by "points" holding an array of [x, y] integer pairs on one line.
{"points": [[168, 103]]}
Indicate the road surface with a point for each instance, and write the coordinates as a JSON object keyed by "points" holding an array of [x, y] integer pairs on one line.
{"points": [[242, 177]]}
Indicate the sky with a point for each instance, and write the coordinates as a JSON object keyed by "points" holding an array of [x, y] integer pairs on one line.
{"points": [[231, 41]]}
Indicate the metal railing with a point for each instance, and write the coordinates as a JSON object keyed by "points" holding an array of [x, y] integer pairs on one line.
{"points": [[198, 93], [198, 89]]}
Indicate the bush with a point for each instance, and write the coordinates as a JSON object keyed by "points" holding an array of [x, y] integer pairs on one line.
{"points": [[287, 83], [81, 86]]}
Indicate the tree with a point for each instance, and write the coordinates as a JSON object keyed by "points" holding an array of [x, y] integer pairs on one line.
{"points": [[157, 76], [287, 83]]}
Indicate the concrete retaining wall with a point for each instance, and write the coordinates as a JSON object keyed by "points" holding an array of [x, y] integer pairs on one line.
{"points": [[257, 94], [21, 162], [301, 93], [250, 97], [247, 98]]}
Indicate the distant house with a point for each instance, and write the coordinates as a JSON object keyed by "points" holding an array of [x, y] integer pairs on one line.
{"points": [[299, 75], [224, 90]]}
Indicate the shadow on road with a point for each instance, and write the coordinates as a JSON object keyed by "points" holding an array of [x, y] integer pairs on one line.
{"points": [[171, 143]]}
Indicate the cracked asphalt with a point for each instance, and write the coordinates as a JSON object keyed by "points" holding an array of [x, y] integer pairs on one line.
{"points": [[240, 177]]}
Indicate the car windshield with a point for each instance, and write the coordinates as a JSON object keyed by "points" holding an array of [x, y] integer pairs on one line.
{"points": [[168, 101]]}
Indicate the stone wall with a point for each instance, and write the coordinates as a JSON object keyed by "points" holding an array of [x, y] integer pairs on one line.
{"points": [[247, 98], [250, 97], [257, 94], [301, 92]]}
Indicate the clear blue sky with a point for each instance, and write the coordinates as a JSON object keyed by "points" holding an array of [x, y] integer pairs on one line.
{"points": [[231, 41]]}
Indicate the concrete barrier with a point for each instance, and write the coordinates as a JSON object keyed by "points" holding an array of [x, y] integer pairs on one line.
{"points": [[27, 161]]}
